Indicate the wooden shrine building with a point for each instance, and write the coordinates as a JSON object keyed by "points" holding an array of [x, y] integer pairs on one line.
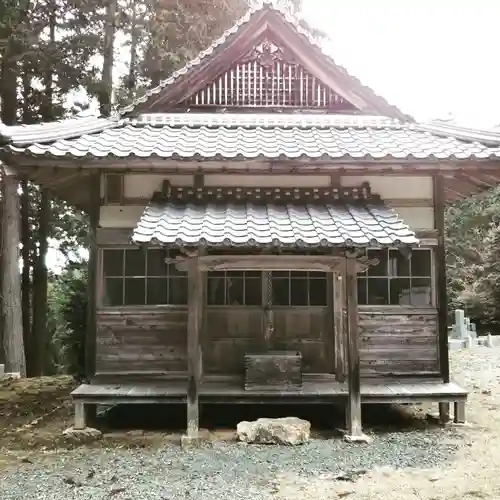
{"points": [[264, 228]]}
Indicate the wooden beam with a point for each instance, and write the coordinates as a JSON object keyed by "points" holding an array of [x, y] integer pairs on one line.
{"points": [[13, 343], [195, 297], [264, 262], [94, 187], [479, 180], [353, 413], [442, 297]]}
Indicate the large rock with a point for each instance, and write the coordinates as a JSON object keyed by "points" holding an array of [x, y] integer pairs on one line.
{"points": [[78, 435], [288, 430]]}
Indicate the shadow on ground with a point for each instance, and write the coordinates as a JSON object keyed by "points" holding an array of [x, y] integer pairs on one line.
{"points": [[325, 419]]}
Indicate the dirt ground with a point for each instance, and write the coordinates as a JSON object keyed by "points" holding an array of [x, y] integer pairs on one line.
{"points": [[33, 414]]}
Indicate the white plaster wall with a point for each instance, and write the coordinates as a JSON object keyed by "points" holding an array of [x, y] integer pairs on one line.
{"points": [[394, 187], [416, 217], [120, 216], [128, 216], [388, 187], [265, 180], [144, 185]]}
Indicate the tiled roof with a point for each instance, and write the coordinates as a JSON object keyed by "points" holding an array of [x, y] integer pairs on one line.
{"points": [[242, 136], [308, 225], [294, 21], [53, 131]]}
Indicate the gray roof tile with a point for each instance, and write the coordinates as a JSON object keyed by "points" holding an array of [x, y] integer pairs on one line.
{"points": [[240, 136], [307, 225]]}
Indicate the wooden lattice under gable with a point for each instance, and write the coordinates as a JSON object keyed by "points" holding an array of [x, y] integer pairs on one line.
{"points": [[268, 77]]}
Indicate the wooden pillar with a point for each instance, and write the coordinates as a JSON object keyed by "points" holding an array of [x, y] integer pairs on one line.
{"points": [[91, 327], [353, 413], [195, 313], [13, 342], [338, 325], [442, 297]]}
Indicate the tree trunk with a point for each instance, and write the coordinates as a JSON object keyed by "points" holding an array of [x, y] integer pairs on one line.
{"points": [[134, 35], [8, 84], [11, 285], [26, 278], [107, 65], [40, 281], [40, 273]]}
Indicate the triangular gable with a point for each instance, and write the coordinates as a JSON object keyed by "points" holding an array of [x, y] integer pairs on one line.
{"points": [[265, 25]]}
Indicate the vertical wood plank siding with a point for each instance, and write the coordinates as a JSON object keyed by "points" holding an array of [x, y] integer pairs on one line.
{"points": [[399, 342]]}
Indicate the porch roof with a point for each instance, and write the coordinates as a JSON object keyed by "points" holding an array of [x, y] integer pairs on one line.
{"points": [[306, 225], [229, 136]]}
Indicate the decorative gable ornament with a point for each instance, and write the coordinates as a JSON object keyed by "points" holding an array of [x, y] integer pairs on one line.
{"points": [[266, 54]]}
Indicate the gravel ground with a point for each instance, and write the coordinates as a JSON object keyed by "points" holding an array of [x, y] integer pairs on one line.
{"points": [[232, 471], [435, 463]]}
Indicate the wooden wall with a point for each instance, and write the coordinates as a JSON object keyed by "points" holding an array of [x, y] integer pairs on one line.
{"points": [[142, 341], [398, 341], [154, 340], [230, 332], [394, 340]]}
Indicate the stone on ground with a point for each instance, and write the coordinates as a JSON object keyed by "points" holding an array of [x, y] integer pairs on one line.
{"points": [[89, 433], [288, 431]]}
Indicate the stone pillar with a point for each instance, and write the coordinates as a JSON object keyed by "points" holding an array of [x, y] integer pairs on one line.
{"points": [[460, 329]]}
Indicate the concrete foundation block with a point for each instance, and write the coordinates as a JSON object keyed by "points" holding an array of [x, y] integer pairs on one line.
{"points": [[192, 442]]}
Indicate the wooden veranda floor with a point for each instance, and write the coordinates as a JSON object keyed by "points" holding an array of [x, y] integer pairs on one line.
{"points": [[315, 389]]}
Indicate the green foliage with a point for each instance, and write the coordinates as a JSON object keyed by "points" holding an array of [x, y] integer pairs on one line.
{"points": [[473, 257], [68, 318]]}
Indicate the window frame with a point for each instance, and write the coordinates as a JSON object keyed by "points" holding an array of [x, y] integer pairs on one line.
{"points": [[101, 282], [261, 279], [309, 280], [433, 280]]}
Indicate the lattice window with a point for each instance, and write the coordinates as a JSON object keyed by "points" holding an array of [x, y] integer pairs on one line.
{"points": [[397, 279], [234, 288], [299, 288], [264, 79], [137, 278]]}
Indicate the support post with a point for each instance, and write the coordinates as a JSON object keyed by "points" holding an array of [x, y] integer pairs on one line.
{"points": [[13, 343], [442, 297], [459, 412], [195, 298], [338, 326], [353, 413], [91, 327], [80, 417], [444, 413]]}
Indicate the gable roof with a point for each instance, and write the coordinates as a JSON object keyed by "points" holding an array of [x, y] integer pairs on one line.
{"points": [[267, 14]]}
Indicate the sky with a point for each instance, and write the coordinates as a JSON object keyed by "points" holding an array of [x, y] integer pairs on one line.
{"points": [[431, 58]]}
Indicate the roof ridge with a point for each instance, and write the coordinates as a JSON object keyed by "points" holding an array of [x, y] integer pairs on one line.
{"points": [[286, 120]]}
